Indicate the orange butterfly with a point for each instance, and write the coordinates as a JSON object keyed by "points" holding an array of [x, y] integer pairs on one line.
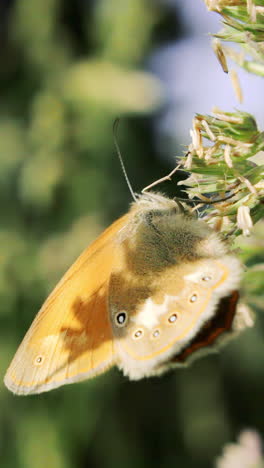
{"points": [[155, 289]]}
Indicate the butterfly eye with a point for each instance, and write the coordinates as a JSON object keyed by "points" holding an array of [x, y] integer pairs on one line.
{"points": [[193, 298], [206, 278], [172, 318], [121, 319], [39, 360], [138, 334]]}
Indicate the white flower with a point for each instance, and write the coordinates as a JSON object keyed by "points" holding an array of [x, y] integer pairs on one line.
{"points": [[246, 453]]}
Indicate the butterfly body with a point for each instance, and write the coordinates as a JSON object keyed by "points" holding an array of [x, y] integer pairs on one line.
{"points": [[143, 297]]}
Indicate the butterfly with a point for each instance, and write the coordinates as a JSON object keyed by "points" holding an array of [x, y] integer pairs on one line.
{"points": [[154, 291]]}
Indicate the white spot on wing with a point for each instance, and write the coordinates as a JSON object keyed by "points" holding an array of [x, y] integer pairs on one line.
{"points": [[194, 277], [50, 340], [150, 312]]}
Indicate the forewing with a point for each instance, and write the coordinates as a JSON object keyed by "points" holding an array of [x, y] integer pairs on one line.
{"points": [[70, 338]]}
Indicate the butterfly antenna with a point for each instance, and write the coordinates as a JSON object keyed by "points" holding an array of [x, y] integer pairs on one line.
{"points": [[115, 128]]}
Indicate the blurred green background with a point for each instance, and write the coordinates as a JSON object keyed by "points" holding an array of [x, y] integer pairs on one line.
{"points": [[67, 70]]}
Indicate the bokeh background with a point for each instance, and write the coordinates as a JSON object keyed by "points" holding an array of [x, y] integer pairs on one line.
{"points": [[68, 68]]}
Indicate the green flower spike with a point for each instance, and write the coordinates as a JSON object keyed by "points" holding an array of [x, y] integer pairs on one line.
{"points": [[224, 162], [243, 24]]}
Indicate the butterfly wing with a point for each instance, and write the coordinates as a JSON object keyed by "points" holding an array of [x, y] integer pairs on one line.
{"points": [[71, 337], [166, 304], [166, 286], [218, 328]]}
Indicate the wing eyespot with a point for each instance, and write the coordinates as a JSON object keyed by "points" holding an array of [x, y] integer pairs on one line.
{"points": [[193, 298], [138, 334], [156, 334], [206, 278], [172, 318], [121, 319], [39, 360]]}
